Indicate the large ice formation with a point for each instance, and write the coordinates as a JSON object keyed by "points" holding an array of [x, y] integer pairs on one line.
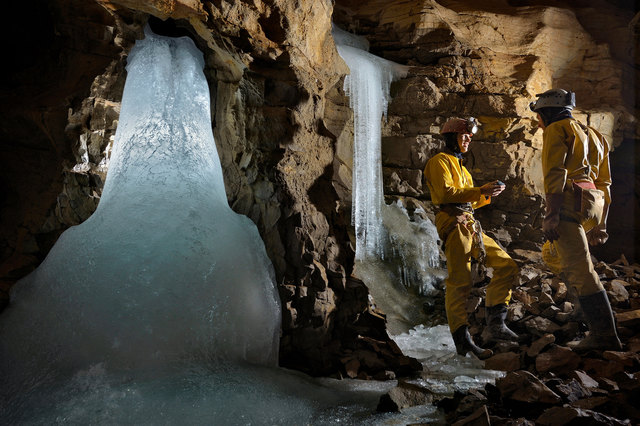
{"points": [[396, 256], [164, 270], [367, 86]]}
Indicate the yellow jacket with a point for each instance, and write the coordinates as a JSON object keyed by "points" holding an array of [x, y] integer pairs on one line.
{"points": [[569, 154], [450, 182]]}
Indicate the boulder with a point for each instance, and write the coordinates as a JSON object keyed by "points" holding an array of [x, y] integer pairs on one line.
{"points": [[523, 386], [617, 292], [567, 415], [584, 379], [480, 417], [507, 361], [628, 319], [539, 326], [538, 345], [404, 395], [558, 359], [570, 390]]}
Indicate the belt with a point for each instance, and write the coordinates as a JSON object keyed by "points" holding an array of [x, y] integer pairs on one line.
{"points": [[458, 211], [584, 184], [566, 218], [454, 209]]}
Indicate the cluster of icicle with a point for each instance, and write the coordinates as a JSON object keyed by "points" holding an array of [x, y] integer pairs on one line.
{"points": [[367, 86]]}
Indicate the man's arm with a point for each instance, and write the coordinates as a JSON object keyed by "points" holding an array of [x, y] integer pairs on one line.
{"points": [[555, 149]]}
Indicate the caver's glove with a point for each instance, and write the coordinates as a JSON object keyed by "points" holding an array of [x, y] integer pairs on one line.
{"points": [[597, 236], [552, 216]]}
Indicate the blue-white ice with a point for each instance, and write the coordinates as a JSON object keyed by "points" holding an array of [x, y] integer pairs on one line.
{"points": [[410, 273], [367, 86], [163, 269], [164, 272], [397, 256], [444, 371]]}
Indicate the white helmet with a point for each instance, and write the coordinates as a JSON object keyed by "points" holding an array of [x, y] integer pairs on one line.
{"points": [[554, 98]]}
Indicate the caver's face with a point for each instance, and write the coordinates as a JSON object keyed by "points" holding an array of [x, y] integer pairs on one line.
{"points": [[540, 121], [464, 140]]}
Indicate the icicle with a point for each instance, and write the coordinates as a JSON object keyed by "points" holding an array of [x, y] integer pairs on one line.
{"points": [[368, 89]]}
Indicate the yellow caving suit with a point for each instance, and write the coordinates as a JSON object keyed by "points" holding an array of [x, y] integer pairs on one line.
{"points": [[450, 183], [574, 155]]}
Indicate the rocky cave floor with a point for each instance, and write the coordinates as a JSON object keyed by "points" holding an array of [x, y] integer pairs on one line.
{"points": [[545, 382]]}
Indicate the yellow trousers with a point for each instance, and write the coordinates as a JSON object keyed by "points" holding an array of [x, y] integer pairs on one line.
{"points": [[459, 249], [569, 254]]}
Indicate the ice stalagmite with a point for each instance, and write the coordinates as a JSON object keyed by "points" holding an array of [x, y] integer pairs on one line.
{"points": [[164, 270]]}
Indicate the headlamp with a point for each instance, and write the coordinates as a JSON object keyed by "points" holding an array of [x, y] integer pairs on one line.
{"points": [[472, 125]]}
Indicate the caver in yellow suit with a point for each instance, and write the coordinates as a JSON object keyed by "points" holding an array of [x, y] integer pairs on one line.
{"points": [[452, 190], [577, 180]]}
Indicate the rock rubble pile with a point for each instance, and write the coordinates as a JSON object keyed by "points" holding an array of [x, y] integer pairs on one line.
{"points": [[545, 382]]}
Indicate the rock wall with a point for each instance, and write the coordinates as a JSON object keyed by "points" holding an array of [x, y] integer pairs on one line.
{"points": [[51, 64], [284, 130]]}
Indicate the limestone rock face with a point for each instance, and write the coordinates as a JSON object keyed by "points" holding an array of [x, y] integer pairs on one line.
{"points": [[284, 130], [52, 68]]}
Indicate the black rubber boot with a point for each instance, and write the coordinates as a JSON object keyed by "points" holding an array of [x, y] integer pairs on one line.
{"points": [[602, 328], [496, 329], [464, 344]]}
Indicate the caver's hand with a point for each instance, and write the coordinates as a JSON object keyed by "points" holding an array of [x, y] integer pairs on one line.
{"points": [[492, 189], [597, 236], [552, 217]]}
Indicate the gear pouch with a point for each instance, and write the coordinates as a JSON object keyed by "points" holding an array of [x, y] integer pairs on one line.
{"points": [[590, 204]]}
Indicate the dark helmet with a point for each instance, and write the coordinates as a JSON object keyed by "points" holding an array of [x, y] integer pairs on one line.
{"points": [[460, 125]]}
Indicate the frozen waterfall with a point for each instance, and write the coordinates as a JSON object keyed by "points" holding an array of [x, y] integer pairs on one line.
{"points": [[396, 256], [368, 89], [164, 270]]}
